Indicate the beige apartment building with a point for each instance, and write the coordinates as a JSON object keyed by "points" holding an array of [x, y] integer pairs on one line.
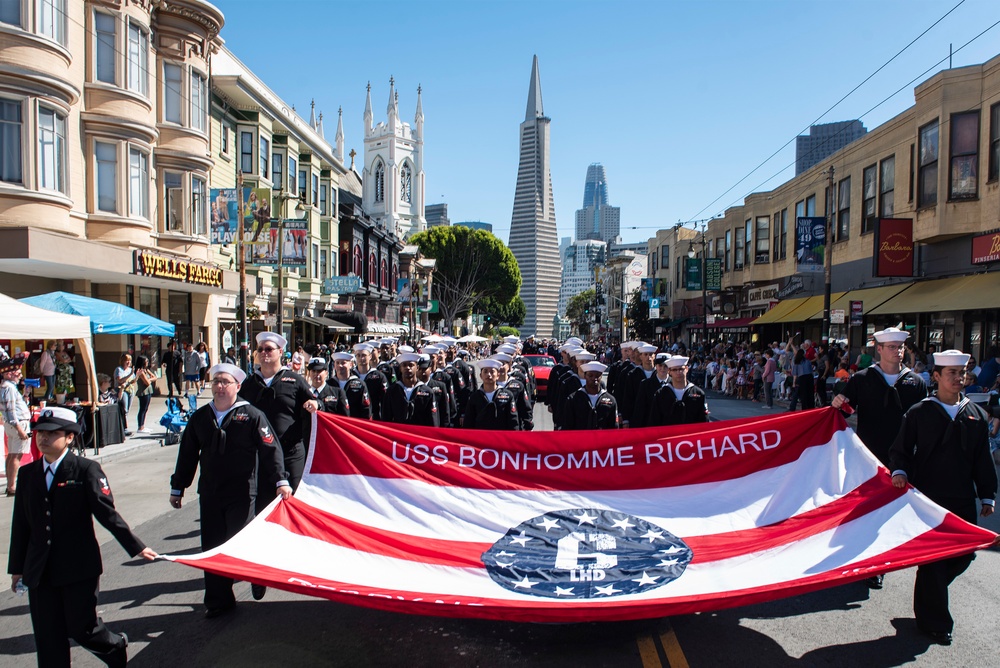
{"points": [[935, 164], [105, 160]]}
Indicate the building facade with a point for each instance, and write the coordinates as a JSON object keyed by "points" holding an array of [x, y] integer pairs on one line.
{"points": [[935, 167], [533, 238], [579, 260], [107, 156], [437, 215]]}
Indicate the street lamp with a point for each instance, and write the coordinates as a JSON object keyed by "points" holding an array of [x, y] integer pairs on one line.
{"points": [[704, 285]]}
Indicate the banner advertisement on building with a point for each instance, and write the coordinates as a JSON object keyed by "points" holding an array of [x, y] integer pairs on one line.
{"points": [[810, 244], [692, 273], [986, 248], [262, 248], [893, 253], [225, 206], [713, 273]]}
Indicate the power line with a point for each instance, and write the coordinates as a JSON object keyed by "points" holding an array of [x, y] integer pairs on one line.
{"points": [[852, 91]]}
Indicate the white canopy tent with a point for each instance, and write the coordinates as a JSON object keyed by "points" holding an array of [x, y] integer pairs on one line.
{"points": [[21, 321]]}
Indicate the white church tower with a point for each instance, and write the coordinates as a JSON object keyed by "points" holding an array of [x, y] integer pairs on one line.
{"points": [[393, 176]]}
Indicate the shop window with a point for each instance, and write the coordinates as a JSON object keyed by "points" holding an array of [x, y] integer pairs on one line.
{"points": [[927, 168], [179, 314]]}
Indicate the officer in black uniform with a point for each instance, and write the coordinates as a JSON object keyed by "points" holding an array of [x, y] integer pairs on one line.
{"points": [[53, 549], [491, 406], [517, 387], [355, 389], [408, 400], [881, 394], [242, 469], [647, 388], [329, 393], [285, 398], [629, 382], [375, 381], [943, 449], [570, 383], [591, 407], [679, 402]]}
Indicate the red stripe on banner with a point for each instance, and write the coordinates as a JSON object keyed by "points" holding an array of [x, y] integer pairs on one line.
{"points": [[952, 538], [305, 520], [623, 459]]}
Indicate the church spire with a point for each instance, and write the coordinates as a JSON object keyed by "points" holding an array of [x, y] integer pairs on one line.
{"points": [[369, 116], [419, 118], [534, 109], [339, 139], [391, 109], [319, 125], [312, 114]]}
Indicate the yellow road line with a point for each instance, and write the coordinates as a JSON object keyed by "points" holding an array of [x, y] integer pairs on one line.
{"points": [[647, 651], [672, 648]]}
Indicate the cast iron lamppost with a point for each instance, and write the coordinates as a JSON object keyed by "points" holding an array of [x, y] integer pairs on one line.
{"points": [[704, 284]]}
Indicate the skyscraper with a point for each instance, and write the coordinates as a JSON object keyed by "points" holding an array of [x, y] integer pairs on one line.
{"points": [[597, 220], [533, 237], [825, 140]]}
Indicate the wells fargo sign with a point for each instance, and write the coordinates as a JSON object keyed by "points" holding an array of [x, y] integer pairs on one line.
{"points": [[894, 247], [986, 248], [146, 263]]}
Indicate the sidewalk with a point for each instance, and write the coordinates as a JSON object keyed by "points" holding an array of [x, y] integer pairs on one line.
{"points": [[136, 442]]}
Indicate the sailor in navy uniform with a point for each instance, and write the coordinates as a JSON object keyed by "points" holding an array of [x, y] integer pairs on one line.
{"points": [[680, 402], [570, 383], [491, 406], [329, 394], [621, 367], [285, 398], [881, 394], [591, 407], [629, 383], [375, 381], [517, 387], [354, 388], [409, 400], [449, 401], [943, 450], [647, 388], [53, 548], [558, 372]]}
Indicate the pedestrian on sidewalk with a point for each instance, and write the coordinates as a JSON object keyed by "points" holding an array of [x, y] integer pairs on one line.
{"points": [[126, 385], [173, 364], [53, 548], [767, 376], [16, 418], [145, 380]]}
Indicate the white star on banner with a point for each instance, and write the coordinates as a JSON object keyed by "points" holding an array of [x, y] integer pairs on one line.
{"points": [[608, 590], [504, 564], [652, 535], [623, 524], [667, 563], [673, 549], [504, 553], [525, 583], [586, 519], [646, 579], [564, 591], [547, 523], [521, 539]]}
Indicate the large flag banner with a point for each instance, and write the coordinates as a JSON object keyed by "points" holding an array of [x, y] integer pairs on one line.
{"points": [[587, 526]]}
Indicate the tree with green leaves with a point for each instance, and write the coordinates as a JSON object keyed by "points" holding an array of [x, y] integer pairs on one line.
{"points": [[638, 316], [581, 311], [510, 313], [472, 265]]}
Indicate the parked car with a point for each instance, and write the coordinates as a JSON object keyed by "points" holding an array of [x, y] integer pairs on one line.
{"points": [[541, 365]]}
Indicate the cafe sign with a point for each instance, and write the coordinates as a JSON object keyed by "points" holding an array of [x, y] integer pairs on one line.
{"points": [[763, 295], [146, 263], [986, 248]]}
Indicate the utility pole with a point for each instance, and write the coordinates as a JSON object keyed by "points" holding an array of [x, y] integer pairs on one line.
{"points": [[828, 260], [243, 336], [281, 277]]}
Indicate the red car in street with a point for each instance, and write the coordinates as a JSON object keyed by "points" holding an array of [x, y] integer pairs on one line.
{"points": [[541, 365]]}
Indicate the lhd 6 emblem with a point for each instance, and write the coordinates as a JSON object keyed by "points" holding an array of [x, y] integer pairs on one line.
{"points": [[586, 553]]}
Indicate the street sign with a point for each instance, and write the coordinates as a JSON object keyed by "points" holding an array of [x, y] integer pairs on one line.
{"points": [[338, 285], [270, 320], [654, 302], [654, 313], [710, 319], [857, 313], [837, 316]]}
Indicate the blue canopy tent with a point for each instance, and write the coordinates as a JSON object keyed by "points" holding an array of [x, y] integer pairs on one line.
{"points": [[105, 317]]}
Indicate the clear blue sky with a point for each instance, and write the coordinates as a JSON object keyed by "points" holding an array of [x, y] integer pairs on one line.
{"points": [[678, 100]]}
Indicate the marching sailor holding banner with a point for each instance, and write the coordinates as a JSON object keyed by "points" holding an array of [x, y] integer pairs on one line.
{"points": [[679, 402], [490, 406], [943, 449], [591, 406]]}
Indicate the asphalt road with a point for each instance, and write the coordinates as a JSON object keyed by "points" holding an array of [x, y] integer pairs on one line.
{"points": [[159, 606]]}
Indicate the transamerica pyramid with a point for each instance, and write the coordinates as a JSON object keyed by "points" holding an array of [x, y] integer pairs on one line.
{"points": [[533, 237]]}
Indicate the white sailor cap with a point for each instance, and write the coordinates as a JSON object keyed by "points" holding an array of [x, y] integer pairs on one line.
{"points": [[510, 350], [385, 342], [585, 356], [273, 337], [503, 357], [631, 344], [891, 334], [489, 363], [951, 358], [593, 366], [511, 339], [405, 357], [676, 361], [567, 347], [406, 349], [362, 348], [646, 348], [462, 352], [661, 358], [431, 350], [233, 370], [576, 340], [341, 357]]}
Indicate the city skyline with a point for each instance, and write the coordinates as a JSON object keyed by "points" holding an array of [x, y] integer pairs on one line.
{"points": [[683, 118]]}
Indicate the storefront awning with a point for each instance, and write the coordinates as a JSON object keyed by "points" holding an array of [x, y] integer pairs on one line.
{"points": [[780, 311], [733, 323], [961, 293], [327, 323], [870, 298], [812, 309], [675, 323]]}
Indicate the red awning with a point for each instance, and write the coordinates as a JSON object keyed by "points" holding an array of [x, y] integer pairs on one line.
{"points": [[732, 323]]}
